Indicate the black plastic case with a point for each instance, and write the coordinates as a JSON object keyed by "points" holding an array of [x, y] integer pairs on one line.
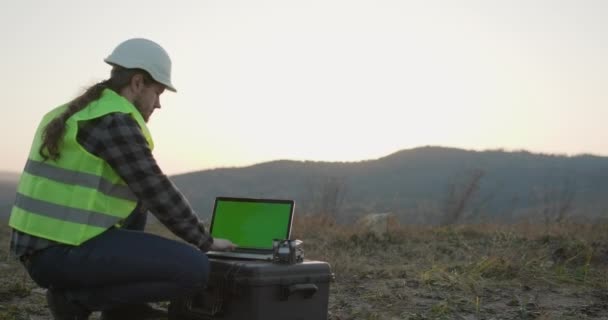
{"points": [[259, 290]]}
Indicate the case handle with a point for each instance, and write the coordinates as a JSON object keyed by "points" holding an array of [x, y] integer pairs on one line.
{"points": [[307, 290]]}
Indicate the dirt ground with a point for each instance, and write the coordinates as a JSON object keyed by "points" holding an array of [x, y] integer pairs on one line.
{"points": [[471, 272]]}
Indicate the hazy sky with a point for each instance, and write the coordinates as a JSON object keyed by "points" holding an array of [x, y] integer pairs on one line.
{"points": [[334, 80]]}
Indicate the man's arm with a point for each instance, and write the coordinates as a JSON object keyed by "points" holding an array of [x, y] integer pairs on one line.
{"points": [[117, 139]]}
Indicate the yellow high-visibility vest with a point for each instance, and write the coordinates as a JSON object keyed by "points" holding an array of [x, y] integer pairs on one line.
{"points": [[78, 196]]}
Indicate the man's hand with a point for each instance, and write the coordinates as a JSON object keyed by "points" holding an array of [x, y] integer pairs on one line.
{"points": [[222, 245]]}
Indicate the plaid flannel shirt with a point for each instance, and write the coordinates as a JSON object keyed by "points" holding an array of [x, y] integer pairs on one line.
{"points": [[118, 140]]}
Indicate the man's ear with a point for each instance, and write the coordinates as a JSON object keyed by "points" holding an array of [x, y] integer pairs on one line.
{"points": [[137, 82]]}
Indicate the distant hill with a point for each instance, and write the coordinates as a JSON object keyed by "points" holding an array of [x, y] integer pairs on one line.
{"points": [[7, 196], [7, 176], [422, 185], [8, 186]]}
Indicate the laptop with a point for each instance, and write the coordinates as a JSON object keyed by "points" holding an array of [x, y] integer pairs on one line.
{"points": [[251, 224]]}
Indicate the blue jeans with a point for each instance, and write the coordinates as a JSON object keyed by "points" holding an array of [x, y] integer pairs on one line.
{"points": [[121, 266]]}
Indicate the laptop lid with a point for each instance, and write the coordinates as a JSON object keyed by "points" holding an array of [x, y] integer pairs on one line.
{"points": [[252, 223]]}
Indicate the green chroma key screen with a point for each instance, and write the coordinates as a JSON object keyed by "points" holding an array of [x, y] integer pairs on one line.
{"points": [[251, 223]]}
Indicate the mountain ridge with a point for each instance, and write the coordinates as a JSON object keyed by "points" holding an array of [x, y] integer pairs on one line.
{"points": [[420, 185], [418, 181]]}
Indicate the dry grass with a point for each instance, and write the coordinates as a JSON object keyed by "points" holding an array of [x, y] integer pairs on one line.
{"points": [[522, 271]]}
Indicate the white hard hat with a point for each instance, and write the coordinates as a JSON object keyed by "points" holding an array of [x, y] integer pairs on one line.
{"points": [[146, 55]]}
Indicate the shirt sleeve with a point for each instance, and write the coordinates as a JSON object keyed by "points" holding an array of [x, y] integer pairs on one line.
{"points": [[118, 139]]}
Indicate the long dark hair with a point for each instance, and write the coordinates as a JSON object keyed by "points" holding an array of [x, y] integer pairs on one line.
{"points": [[54, 131]]}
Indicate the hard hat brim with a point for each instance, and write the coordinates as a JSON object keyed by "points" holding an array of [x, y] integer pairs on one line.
{"points": [[165, 83]]}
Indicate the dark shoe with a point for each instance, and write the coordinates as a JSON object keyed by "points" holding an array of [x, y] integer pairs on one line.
{"points": [[134, 312], [63, 309]]}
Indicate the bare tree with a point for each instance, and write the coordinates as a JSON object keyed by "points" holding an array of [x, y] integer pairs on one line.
{"points": [[557, 201], [332, 193], [459, 196]]}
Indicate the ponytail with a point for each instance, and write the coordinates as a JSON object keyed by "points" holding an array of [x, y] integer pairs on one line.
{"points": [[54, 131]]}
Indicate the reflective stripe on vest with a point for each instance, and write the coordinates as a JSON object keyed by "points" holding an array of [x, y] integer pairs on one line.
{"points": [[78, 178], [77, 196], [59, 212]]}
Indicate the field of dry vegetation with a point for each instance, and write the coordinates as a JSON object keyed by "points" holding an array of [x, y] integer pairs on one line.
{"points": [[519, 271]]}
